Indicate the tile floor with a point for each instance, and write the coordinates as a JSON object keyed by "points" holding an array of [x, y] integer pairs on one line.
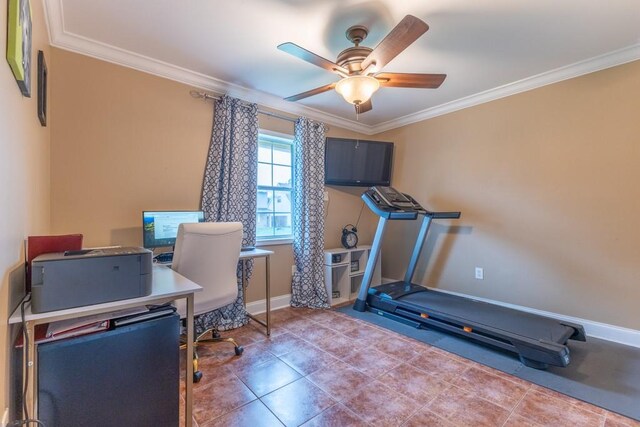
{"points": [[323, 368]]}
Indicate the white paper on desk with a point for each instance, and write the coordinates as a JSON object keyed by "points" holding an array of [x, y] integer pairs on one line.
{"points": [[63, 326]]}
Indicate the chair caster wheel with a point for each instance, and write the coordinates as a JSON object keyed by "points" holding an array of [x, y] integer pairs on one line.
{"points": [[239, 350], [197, 376]]}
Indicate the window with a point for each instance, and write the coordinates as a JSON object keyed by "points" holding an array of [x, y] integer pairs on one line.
{"points": [[275, 179]]}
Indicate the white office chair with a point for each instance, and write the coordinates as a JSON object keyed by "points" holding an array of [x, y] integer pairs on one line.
{"points": [[207, 253]]}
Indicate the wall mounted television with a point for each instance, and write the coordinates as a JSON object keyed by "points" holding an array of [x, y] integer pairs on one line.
{"points": [[357, 162]]}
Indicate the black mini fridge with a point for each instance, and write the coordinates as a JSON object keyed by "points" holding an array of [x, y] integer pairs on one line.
{"points": [[127, 376]]}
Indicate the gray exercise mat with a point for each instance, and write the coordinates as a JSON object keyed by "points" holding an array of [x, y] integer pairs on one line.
{"points": [[602, 373]]}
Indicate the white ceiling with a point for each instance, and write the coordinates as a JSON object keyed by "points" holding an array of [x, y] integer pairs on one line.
{"points": [[488, 48]]}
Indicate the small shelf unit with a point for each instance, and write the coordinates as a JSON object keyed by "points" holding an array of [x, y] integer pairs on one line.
{"points": [[344, 270]]}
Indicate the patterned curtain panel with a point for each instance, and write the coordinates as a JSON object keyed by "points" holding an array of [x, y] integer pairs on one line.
{"points": [[307, 286], [229, 190]]}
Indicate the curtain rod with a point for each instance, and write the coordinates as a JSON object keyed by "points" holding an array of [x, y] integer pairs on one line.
{"points": [[206, 96]]}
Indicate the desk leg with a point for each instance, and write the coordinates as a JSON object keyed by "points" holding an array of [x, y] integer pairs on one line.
{"points": [[188, 398], [243, 282], [268, 280], [29, 365], [266, 324]]}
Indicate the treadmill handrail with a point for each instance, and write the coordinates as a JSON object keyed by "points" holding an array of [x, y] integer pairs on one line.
{"points": [[382, 207], [443, 215]]}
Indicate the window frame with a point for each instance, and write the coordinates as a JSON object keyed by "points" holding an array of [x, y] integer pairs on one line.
{"points": [[276, 137]]}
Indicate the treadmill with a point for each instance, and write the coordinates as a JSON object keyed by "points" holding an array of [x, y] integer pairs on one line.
{"points": [[538, 340]]}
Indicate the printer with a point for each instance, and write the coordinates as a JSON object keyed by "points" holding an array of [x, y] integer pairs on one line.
{"points": [[91, 276]]}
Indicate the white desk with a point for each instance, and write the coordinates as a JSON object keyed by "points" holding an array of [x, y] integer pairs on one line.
{"points": [[258, 253], [167, 285]]}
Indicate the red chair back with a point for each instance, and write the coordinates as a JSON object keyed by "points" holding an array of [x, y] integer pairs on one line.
{"points": [[38, 245]]}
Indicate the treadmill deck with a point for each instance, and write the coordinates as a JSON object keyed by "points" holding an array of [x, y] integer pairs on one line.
{"points": [[475, 313]]}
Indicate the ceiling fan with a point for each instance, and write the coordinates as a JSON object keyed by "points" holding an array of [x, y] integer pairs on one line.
{"points": [[359, 66]]}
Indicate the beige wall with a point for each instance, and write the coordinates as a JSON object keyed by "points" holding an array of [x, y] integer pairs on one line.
{"points": [[124, 141], [548, 185], [24, 172], [545, 181]]}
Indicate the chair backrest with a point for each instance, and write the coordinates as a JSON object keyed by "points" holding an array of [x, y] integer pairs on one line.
{"points": [[38, 245], [207, 253]]}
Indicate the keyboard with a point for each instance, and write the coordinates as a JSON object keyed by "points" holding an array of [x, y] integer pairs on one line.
{"points": [[164, 258]]}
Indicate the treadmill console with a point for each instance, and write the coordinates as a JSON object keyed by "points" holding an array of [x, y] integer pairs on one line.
{"points": [[389, 203], [395, 199]]}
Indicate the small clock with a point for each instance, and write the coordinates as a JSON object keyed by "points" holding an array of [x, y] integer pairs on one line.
{"points": [[349, 236]]}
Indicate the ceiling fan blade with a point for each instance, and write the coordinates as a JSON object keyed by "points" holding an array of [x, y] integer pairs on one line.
{"points": [[305, 55], [311, 92], [405, 33], [364, 107], [427, 81]]}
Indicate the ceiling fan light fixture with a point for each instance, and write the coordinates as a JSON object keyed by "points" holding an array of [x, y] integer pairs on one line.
{"points": [[357, 89]]}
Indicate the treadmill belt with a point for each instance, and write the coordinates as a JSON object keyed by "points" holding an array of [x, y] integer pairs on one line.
{"points": [[493, 316]]}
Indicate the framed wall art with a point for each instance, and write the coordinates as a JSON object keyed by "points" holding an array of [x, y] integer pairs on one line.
{"points": [[19, 43], [42, 88]]}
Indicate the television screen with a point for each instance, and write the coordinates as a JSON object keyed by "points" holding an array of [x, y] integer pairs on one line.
{"points": [[357, 162], [160, 228]]}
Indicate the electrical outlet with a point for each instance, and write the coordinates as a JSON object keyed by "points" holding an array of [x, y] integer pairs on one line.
{"points": [[479, 273], [5, 417], [293, 269], [326, 196]]}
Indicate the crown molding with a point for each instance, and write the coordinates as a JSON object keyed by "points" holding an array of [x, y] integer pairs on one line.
{"points": [[62, 39], [608, 60]]}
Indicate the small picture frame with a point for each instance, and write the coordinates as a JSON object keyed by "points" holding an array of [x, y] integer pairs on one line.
{"points": [[42, 89], [355, 265]]}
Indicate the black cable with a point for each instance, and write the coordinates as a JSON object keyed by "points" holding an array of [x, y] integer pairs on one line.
{"points": [[25, 348]]}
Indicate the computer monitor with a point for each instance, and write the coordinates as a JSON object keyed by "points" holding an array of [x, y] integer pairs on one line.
{"points": [[160, 228]]}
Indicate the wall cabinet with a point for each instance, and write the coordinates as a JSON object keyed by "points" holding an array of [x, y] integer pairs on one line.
{"points": [[344, 270]]}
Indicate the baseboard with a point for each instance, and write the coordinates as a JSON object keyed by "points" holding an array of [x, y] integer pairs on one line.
{"points": [[592, 328], [260, 306], [282, 301]]}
